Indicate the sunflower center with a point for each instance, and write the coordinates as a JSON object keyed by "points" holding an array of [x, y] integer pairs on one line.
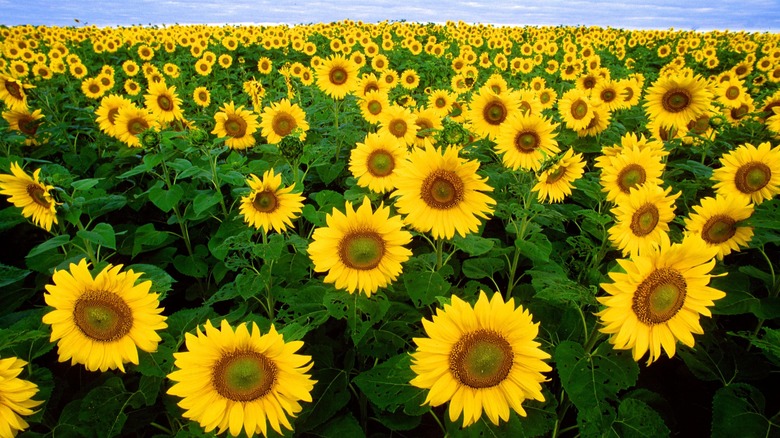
{"points": [[481, 359], [244, 376], [544, 97], [644, 220], [94, 88], [442, 189], [738, 113], [337, 76], [425, 126], [235, 126], [608, 95], [203, 96], [556, 174], [284, 124], [589, 82], [579, 109], [14, 90], [629, 94], [112, 113], [165, 103], [440, 102], [28, 126], [102, 316], [719, 229], [631, 176], [362, 250], [380, 163], [699, 125], [265, 202], [752, 177], [660, 296], [374, 107], [676, 100], [38, 195], [732, 92], [494, 112], [137, 125], [527, 141], [398, 128]]}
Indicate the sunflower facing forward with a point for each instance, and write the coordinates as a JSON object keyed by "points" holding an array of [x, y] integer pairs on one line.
{"points": [[15, 397], [658, 299], [677, 99], [374, 161], [237, 124], [337, 76], [751, 172], [642, 219], [632, 167], [368, 246], [481, 358], [717, 221], [555, 183], [102, 321], [241, 380], [441, 193], [163, 102], [268, 206], [31, 195], [526, 140], [281, 119]]}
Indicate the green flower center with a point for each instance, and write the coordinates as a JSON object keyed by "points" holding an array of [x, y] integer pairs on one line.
{"points": [[362, 250], [676, 100], [244, 376], [398, 128], [631, 176], [235, 126], [481, 359], [265, 202], [284, 124], [660, 296], [732, 92], [526, 141], [579, 109], [644, 220], [380, 163], [718, 229], [102, 316], [442, 189], [752, 177], [338, 76], [608, 95], [165, 103], [495, 112], [374, 107]]}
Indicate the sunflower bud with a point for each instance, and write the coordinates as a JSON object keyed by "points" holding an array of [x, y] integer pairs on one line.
{"points": [[291, 146], [150, 138], [198, 137], [452, 133]]}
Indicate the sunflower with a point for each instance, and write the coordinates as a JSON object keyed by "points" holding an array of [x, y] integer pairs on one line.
{"points": [[369, 246], [480, 358], [102, 321], [25, 122], [717, 221], [92, 89], [237, 124], [428, 123], [201, 96], [270, 206], [598, 124], [658, 299], [749, 172], [337, 76], [642, 219], [441, 193], [15, 397], [487, 111], [163, 103], [31, 195], [732, 93], [677, 99], [609, 94], [131, 87], [131, 121], [368, 83], [234, 380], [372, 105], [576, 109], [203, 67], [555, 183], [108, 111], [399, 122], [525, 140], [375, 161], [441, 101], [632, 167], [281, 119], [410, 79]]}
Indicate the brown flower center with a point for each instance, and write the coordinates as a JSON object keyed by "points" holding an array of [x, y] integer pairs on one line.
{"points": [[440, 102], [719, 229], [94, 88], [398, 128], [284, 124], [732, 92], [28, 125], [165, 103], [644, 220], [244, 376], [338, 76], [362, 250], [579, 109], [494, 112], [608, 95], [266, 202], [589, 82], [374, 107], [752, 177], [235, 126], [424, 126], [556, 174], [112, 114], [481, 359], [660, 296], [38, 195], [442, 189], [380, 163], [676, 100], [629, 94], [102, 316], [527, 141], [137, 125], [631, 176]]}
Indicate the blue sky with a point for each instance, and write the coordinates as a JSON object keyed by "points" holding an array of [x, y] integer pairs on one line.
{"points": [[751, 15]]}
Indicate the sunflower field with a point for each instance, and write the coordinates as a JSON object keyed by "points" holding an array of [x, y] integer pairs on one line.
{"points": [[389, 229]]}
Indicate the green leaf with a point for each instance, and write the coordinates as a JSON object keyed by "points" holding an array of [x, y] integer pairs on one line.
{"points": [[738, 410], [536, 247], [11, 274], [102, 234], [483, 267], [473, 244], [205, 200], [162, 282], [636, 419], [166, 199], [10, 217], [551, 284], [330, 395], [387, 384], [103, 407], [424, 287], [100, 205], [344, 426], [85, 184], [54, 242], [147, 238]]}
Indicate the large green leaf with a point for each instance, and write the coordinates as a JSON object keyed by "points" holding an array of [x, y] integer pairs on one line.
{"points": [[387, 384], [738, 411]]}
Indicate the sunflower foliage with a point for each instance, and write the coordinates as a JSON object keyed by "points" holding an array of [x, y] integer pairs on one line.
{"points": [[396, 228]]}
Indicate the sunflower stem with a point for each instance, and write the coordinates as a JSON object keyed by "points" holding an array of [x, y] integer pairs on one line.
{"points": [[216, 181], [439, 252], [438, 421], [185, 232]]}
